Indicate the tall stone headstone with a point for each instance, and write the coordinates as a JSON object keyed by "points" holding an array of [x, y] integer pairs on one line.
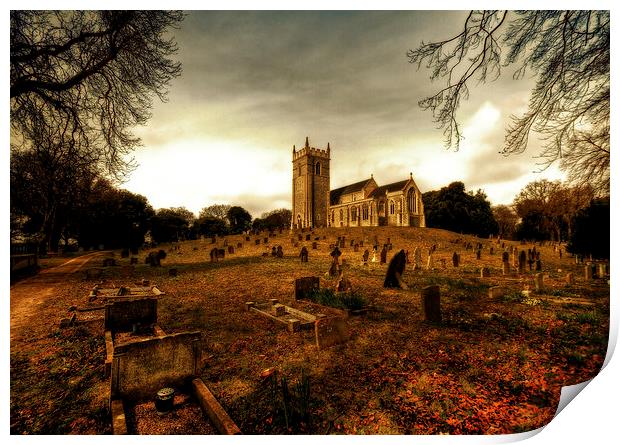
{"points": [[570, 278], [429, 262], [588, 272], [522, 259], [431, 303], [485, 272], [417, 258], [455, 259]]}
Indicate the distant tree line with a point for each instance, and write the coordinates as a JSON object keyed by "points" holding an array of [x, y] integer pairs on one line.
{"points": [[543, 210]]}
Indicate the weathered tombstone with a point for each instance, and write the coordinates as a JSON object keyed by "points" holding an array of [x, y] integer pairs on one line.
{"points": [[396, 268], [455, 259], [602, 270], [485, 272], [506, 268], [307, 237], [383, 255], [303, 254], [496, 292], [341, 245], [355, 247], [431, 303], [538, 281], [343, 284], [314, 245], [478, 254], [417, 257], [538, 265], [505, 257], [329, 331], [300, 238], [365, 257], [279, 252], [588, 271], [570, 278], [239, 245], [407, 257], [225, 242], [221, 253], [274, 253], [305, 286], [335, 266], [231, 249], [491, 250], [522, 262], [429, 262]]}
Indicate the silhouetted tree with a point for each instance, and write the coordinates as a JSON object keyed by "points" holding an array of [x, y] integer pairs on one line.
{"points": [[240, 219], [591, 235], [209, 226], [451, 208], [568, 52], [114, 217], [275, 219], [219, 211], [171, 224], [82, 80], [506, 220]]}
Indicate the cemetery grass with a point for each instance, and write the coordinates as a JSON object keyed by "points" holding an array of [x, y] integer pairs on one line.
{"points": [[490, 367]]}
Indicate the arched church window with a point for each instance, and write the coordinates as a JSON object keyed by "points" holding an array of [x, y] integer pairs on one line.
{"points": [[333, 216], [365, 212], [412, 201], [341, 216], [317, 168], [354, 213], [391, 207], [381, 204]]}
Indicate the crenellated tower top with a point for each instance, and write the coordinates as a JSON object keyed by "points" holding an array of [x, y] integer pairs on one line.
{"points": [[311, 151]]}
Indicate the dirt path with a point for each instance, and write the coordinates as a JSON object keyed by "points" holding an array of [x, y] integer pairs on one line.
{"points": [[28, 296]]}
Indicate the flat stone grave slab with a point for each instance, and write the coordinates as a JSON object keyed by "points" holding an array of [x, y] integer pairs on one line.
{"points": [[124, 292], [130, 315], [293, 318]]}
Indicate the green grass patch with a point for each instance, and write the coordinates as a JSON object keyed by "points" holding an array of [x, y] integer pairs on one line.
{"points": [[346, 300]]}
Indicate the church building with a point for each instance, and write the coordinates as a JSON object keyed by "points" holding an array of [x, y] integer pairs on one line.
{"points": [[361, 204]]}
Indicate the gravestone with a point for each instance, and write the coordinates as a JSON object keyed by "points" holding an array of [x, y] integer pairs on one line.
{"points": [[538, 281], [538, 265], [396, 268], [429, 262], [329, 331], [570, 278], [355, 247], [431, 303], [343, 284], [522, 262], [303, 254], [588, 272], [314, 245], [308, 237], [383, 255], [455, 259], [478, 254], [239, 245], [417, 258], [279, 252], [505, 257], [221, 253], [365, 257], [231, 249], [485, 272], [506, 268]]}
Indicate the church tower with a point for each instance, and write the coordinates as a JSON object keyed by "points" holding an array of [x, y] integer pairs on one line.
{"points": [[310, 187]]}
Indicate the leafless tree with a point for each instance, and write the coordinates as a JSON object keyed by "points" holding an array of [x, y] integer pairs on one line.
{"points": [[566, 51], [86, 78]]}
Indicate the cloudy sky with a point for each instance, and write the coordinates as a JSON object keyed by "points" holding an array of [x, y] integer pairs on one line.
{"points": [[255, 83]]}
